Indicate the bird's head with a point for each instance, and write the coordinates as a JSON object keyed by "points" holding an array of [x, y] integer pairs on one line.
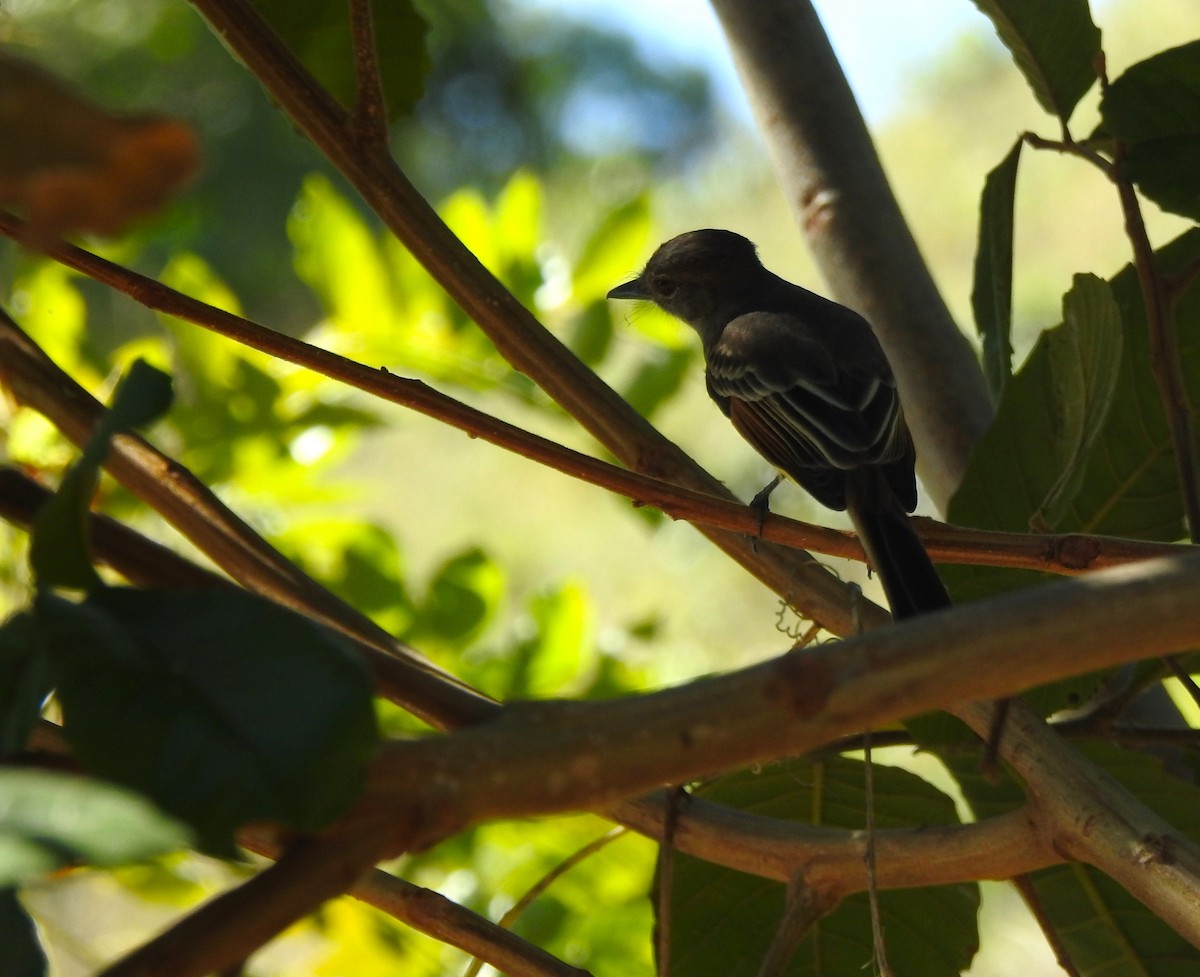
{"points": [[702, 277]]}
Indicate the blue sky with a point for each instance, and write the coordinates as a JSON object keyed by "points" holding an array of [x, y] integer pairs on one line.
{"points": [[877, 43]]}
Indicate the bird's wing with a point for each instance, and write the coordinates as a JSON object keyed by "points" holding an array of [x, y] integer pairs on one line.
{"points": [[791, 397]]}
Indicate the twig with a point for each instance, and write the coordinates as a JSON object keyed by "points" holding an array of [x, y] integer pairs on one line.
{"points": [[1165, 362], [1033, 900], [1181, 675], [368, 124], [877, 941], [1067, 553], [227, 929], [803, 906], [195, 511], [676, 798], [443, 919], [527, 899], [517, 334], [1158, 298]]}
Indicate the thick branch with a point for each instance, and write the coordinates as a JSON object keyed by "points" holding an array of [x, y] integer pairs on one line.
{"points": [[542, 758], [831, 859], [546, 757], [830, 172]]}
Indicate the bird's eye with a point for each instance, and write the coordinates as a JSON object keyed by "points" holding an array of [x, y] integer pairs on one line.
{"points": [[664, 286]]}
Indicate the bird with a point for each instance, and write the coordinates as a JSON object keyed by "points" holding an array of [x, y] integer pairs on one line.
{"points": [[805, 381]]}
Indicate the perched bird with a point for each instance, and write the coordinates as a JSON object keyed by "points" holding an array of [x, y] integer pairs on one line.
{"points": [[805, 381]]}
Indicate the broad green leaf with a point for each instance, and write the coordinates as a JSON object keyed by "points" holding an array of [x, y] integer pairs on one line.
{"points": [[1055, 46], [51, 820], [658, 378], [23, 956], [1084, 354], [991, 296], [359, 562], [203, 351], [611, 252], [24, 681], [338, 257], [518, 217], [59, 551], [1124, 484], [56, 318], [550, 661], [1102, 928], [222, 707], [318, 31], [462, 598], [592, 333], [1131, 487], [1154, 109], [722, 921]]}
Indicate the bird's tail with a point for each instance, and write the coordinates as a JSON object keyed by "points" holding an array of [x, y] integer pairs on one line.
{"points": [[895, 552]]}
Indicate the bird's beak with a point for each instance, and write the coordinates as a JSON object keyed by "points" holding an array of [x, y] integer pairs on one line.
{"points": [[630, 290]]}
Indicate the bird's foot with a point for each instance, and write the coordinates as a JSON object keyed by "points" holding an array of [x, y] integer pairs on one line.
{"points": [[761, 504]]}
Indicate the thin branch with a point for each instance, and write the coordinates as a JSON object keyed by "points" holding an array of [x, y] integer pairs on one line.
{"points": [[547, 757], [443, 919], [1033, 900], [516, 333], [186, 503], [227, 929], [1159, 297], [1165, 361], [368, 124], [803, 906], [870, 859], [1067, 553]]}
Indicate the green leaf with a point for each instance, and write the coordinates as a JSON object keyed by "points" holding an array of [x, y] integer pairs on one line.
{"points": [[23, 956], [1131, 487], [658, 378], [143, 395], [1101, 927], [463, 597], [222, 707], [24, 681], [1154, 109], [609, 254], [338, 257], [723, 921], [52, 820], [1084, 356], [1053, 44], [59, 551], [318, 31], [1124, 484], [592, 333], [551, 660], [991, 297]]}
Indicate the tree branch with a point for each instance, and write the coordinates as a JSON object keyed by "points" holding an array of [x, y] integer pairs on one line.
{"points": [[519, 337], [195, 511], [1062, 554], [543, 758], [831, 175], [369, 121]]}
